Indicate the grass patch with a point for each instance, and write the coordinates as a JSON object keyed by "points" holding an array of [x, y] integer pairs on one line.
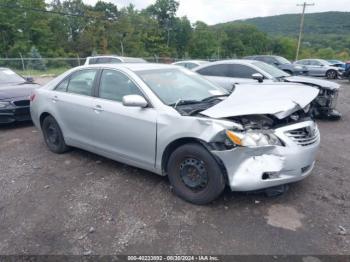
{"points": [[37, 73]]}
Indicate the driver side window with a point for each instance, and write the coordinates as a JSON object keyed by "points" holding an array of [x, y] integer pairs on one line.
{"points": [[115, 85], [216, 70], [315, 63]]}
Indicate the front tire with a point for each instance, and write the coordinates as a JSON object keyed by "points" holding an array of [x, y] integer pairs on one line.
{"points": [[195, 175], [53, 136], [331, 74]]}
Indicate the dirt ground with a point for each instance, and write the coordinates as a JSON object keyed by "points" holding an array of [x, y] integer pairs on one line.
{"points": [[81, 203]]}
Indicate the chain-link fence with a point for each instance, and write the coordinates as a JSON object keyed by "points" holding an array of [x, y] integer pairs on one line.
{"points": [[55, 66]]}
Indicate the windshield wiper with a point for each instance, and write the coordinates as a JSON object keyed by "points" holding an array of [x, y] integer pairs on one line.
{"points": [[210, 98], [184, 102]]}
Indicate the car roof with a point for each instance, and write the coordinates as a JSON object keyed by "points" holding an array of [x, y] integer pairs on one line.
{"points": [[229, 61], [132, 66], [263, 56], [123, 58], [191, 61]]}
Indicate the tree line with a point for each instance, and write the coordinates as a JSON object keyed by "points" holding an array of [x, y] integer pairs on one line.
{"points": [[73, 29]]}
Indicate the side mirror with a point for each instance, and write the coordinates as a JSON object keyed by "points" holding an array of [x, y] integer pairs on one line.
{"points": [[29, 79], [259, 77], [134, 101]]}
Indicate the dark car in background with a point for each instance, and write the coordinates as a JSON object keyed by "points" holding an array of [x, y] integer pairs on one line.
{"points": [[280, 62], [15, 92]]}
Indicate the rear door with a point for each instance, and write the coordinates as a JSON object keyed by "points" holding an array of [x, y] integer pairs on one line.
{"points": [[72, 100], [219, 74], [227, 75], [126, 133], [316, 68]]}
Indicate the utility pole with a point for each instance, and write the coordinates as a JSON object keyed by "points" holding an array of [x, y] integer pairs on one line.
{"points": [[304, 5]]}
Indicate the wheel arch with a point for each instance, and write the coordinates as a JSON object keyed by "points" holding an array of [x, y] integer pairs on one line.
{"points": [[42, 117], [171, 147]]}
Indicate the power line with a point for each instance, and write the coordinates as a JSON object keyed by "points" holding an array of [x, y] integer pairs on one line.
{"points": [[304, 5]]}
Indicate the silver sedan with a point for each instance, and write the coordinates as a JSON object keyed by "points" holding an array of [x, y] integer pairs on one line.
{"points": [[173, 122], [320, 67]]}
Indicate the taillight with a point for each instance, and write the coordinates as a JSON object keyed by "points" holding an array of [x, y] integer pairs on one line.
{"points": [[32, 97]]}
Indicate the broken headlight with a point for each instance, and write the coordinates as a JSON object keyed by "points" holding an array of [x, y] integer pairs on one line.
{"points": [[253, 138]]}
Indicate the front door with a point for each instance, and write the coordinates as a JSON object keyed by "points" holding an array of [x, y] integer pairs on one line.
{"points": [[129, 133]]}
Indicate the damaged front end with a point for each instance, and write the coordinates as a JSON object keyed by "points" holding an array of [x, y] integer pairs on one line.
{"points": [[325, 104], [271, 140], [267, 154]]}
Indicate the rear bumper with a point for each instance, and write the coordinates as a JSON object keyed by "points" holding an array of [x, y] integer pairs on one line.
{"points": [[251, 169], [14, 114]]}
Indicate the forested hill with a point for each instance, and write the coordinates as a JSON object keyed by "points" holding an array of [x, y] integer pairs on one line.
{"points": [[315, 23]]}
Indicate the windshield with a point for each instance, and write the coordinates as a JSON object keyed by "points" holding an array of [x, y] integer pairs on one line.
{"points": [[324, 62], [282, 60], [8, 76], [174, 85], [271, 70]]}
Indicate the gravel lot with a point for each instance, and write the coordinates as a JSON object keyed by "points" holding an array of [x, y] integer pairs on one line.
{"points": [[81, 203]]}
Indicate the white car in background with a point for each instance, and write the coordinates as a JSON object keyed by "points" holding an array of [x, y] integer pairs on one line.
{"points": [[191, 64], [111, 59]]}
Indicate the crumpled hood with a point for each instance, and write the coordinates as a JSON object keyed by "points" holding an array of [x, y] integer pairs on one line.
{"points": [[314, 81], [15, 91], [279, 100]]}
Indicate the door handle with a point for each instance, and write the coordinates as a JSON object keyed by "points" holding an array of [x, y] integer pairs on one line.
{"points": [[55, 99], [98, 108]]}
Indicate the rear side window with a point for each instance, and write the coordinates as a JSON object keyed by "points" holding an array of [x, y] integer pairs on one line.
{"points": [[82, 82], [269, 60], [215, 70], [92, 61], [303, 62], [115, 85], [62, 87], [191, 65]]}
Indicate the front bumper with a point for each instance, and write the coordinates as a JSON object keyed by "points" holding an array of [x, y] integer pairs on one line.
{"points": [[257, 168], [14, 114]]}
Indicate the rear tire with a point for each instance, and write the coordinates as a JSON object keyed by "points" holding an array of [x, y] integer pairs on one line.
{"points": [[195, 175], [331, 74], [53, 136]]}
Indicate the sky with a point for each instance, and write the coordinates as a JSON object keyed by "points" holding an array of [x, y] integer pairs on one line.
{"points": [[219, 11]]}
